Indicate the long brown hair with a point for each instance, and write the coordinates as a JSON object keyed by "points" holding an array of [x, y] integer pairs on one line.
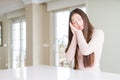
{"points": [[88, 60]]}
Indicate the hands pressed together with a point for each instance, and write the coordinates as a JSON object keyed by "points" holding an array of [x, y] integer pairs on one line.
{"points": [[74, 30]]}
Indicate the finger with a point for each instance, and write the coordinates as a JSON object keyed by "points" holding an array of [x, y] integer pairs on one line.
{"points": [[72, 27], [71, 24]]}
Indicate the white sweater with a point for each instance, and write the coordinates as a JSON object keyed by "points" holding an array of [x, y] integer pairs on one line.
{"points": [[95, 45]]}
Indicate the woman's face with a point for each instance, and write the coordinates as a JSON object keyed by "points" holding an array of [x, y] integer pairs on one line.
{"points": [[77, 21]]}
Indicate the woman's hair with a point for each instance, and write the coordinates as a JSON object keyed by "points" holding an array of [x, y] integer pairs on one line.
{"points": [[87, 32]]}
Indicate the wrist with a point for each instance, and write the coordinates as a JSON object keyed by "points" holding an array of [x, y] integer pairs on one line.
{"points": [[78, 32], [74, 37]]}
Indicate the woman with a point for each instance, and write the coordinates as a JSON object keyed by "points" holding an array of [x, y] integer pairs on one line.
{"points": [[84, 42]]}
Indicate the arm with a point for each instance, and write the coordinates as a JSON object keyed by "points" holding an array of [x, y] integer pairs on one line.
{"points": [[72, 48], [96, 40]]}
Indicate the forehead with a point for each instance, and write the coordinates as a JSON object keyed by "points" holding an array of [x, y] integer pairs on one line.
{"points": [[75, 16]]}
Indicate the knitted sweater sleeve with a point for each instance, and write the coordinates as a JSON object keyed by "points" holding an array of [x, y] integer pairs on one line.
{"points": [[96, 41], [71, 50]]}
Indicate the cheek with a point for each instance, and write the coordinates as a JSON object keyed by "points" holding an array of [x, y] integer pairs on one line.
{"points": [[81, 23], [76, 26], [82, 28]]}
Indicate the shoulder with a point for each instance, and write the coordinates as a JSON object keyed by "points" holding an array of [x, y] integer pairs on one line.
{"points": [[98, 31]]}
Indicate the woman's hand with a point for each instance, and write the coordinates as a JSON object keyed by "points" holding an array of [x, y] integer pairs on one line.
{"points": [[73, 29]]}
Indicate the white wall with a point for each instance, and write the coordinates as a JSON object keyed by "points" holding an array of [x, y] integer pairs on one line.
{"points": [[105, 14], [33, 14]]}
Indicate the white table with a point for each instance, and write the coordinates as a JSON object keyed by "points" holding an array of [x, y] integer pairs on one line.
{"points": [[54, 73]]}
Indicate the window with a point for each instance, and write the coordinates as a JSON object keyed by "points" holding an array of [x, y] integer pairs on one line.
{"points": [[62, 19], [61, 37], [18, 42]]}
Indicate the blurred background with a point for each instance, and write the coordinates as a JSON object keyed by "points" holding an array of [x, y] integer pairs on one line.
{"points": [[34, 32]]}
